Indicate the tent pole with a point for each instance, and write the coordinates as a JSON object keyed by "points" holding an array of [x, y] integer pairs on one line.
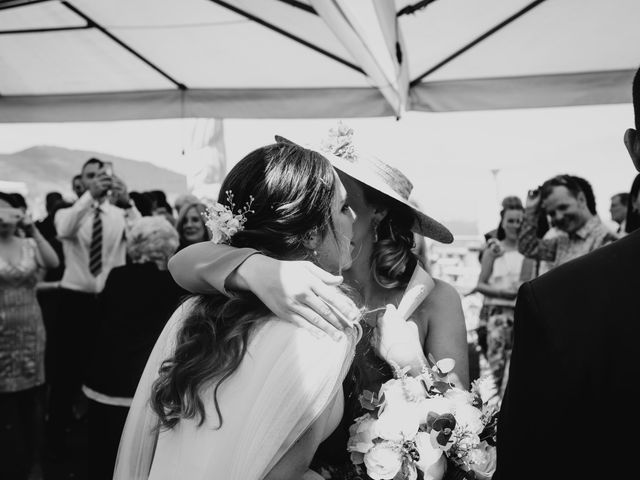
{"points": [[291, 36], [44, 30], [96, 25], [473, 43], [18, 3], [300, 5]]}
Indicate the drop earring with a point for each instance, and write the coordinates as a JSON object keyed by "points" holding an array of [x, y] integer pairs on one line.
{"points": [[375, 231]]}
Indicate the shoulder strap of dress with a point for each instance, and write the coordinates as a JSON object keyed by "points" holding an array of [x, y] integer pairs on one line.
{"points": [[419, 287]]}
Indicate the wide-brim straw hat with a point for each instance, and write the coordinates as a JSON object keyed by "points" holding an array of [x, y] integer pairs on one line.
{"points": [[388, 180]]}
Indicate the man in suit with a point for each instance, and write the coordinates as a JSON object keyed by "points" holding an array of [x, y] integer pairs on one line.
{"points": [[569, 410]]}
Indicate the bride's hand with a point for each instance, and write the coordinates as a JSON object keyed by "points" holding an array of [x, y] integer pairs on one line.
{"points": [[397, 341], [300, 292]]}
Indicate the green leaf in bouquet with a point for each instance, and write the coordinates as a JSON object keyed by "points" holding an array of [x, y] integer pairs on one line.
{"points": [[369, 400], [446, 365], [408, 471], [441, 387]]}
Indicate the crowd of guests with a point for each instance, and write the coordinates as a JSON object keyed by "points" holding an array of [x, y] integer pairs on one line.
{"points": [[558, 223], [84, 293]]}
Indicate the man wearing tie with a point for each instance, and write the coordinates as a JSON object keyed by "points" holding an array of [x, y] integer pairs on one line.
{"points": [[93, 236]]}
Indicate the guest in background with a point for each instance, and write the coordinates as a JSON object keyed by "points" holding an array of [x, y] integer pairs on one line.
{"points": [[618, 210], [22, 343], [77, 185], [183, 200], [53, 203], [633, 206], [134, 306], [158, 198], [165, 210], [570, 203], [48, 289], [143, 203], [190, 225], [19, 201], [510, 201], [499, 281], [93, 235]]}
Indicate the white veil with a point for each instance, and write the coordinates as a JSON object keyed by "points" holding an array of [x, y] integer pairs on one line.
{"points": [[286, 380]]}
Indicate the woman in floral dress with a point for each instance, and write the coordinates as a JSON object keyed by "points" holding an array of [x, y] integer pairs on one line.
{"points": [[499, 280]]}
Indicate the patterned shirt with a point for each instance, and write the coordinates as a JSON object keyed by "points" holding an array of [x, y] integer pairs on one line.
{"points": [[563, 247]]}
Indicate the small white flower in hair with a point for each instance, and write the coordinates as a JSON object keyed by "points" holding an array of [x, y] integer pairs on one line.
{"points": [[221, 220]]}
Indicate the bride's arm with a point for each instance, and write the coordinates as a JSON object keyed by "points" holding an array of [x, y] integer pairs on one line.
{"points": [[299, 292]]}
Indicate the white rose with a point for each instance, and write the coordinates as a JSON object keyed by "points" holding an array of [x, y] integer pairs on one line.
{"points": [[483, 461], [383, 461], [414, 389], [363, 432], [398, 423], [469, 418], [216, 235], [393, 393], [217, 207], [459, 396], [225, 216], [429, 456]]}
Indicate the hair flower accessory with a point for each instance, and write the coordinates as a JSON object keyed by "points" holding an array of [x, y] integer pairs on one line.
{"points": [[224, 221]]}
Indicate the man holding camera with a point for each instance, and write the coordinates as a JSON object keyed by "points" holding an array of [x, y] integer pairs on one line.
{"points": [[92, 232], [581, 231]]}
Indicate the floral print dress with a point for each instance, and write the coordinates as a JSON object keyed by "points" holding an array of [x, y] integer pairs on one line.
{"points": [[22, 333]]}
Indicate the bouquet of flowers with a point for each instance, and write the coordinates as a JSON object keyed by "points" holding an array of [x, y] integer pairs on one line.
{"points": [[418, 425]]}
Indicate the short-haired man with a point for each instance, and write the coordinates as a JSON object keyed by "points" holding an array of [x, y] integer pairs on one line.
{"points": [[618, 210], [92, 232], [567, 200]]}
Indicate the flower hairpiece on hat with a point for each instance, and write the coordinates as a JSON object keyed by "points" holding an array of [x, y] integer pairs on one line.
{"points": [[223, 221], [340, 142]]}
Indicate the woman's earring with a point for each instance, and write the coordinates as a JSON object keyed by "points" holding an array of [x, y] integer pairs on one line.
{"points": [[375, 231], [315, 253]]}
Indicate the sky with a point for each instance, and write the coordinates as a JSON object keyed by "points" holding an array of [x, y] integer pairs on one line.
{"points": [[461, 163]]}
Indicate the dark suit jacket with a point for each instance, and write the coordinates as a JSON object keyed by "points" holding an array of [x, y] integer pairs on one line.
{"points": [[134, 307], [569, 411]]}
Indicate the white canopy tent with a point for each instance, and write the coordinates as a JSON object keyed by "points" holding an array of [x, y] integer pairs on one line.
{"points": [[84, 60]]}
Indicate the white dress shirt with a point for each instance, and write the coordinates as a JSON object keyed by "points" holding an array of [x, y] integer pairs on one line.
{"points": [[74, 226]]}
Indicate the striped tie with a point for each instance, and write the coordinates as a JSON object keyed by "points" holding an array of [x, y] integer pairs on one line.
{"points": [[95, 252]]}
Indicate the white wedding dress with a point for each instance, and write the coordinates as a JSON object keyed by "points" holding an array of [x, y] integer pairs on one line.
{"points": [[286, 380]]}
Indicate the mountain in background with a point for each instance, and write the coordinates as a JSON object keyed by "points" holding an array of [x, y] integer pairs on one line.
{"points": [[45, 169]]}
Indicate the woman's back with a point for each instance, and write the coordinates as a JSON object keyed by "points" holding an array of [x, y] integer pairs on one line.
{"points": [[286, 380]]}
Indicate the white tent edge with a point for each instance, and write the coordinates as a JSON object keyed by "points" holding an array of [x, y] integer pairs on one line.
{"points": [[560, 90]]}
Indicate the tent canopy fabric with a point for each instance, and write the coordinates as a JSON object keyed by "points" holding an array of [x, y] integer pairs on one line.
{"points": [[83, 60]]}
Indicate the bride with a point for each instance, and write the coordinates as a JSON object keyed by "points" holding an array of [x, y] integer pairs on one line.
{"points": [[230, 391]]}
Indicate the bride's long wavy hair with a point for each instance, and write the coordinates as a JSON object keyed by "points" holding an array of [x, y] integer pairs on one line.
{"points": [[293, 190]]}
